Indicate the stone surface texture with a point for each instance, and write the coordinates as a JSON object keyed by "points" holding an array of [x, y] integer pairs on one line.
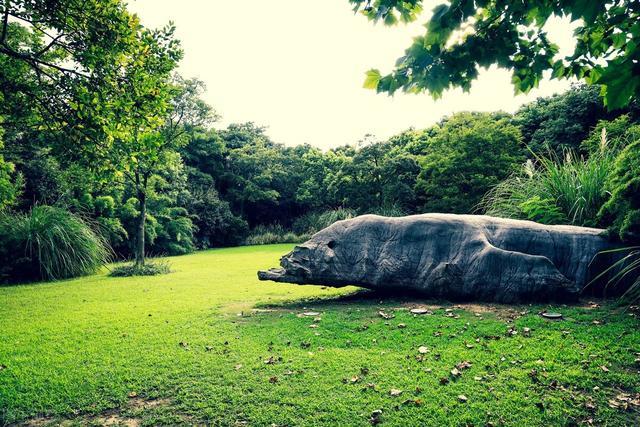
{"points": [[455, 257]]}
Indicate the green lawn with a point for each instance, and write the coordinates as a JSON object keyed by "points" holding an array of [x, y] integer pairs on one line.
{"points": [[190, 347]]}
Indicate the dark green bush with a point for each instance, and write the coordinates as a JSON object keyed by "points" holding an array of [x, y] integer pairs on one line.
{"points": [[215, 224], [49, 243]]}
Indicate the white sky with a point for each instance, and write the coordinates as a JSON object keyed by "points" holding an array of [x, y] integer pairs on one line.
{"points": [[297, 67]]}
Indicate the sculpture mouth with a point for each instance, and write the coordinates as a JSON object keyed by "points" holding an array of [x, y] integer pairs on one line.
{"points": [[294, 269], [273, 274]]}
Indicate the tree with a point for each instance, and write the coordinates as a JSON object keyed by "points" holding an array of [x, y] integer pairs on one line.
{"points": [[468, 155], [149, 133], [8, 189], [152, 142], [464, 35], [560, 122], [61, 61]]}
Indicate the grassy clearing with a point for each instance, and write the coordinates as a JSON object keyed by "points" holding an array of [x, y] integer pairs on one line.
{"points": [[191, 347]]}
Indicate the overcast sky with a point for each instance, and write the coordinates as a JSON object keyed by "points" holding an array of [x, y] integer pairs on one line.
{"points": [[297, 67]]}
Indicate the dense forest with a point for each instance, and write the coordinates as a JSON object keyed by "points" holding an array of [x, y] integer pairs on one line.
{"points": [[131, 151]]}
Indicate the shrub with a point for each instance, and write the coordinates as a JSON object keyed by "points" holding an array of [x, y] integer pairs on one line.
{"points": [[271, 234], [622, 210], [174, 232], [150, 268], [216, 224], [49, 243]]}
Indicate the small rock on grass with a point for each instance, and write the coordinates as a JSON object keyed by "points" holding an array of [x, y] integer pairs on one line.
{"points": [[376, 417], [551, 315]]}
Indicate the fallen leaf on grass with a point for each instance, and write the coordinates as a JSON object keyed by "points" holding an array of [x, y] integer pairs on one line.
{"points": [[395, 392], [604, 368], [455, 372], [416, 402], [238, 366], [464, 365], [272, 360], [444, 381], [132, 394], [273, 380], [625, 401], [386, 316], [423, 349]]}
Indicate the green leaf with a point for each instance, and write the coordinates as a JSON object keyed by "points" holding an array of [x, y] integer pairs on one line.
{"points": [[587, 10], [372, 79]]}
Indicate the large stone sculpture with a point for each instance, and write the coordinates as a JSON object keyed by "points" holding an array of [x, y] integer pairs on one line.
{"points": [[448, 256]]}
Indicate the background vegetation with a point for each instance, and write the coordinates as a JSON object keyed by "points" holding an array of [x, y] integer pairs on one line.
{"points": [[103, 129]]}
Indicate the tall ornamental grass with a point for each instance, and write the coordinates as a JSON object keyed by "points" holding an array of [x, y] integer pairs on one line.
{"points": [[551, 190], [50, 243]]}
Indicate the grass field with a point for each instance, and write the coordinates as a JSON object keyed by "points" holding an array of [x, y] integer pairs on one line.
{"points": [[211, 344]]}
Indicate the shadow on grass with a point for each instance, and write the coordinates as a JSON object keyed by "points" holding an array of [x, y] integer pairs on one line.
{"points": [[357, 297]]}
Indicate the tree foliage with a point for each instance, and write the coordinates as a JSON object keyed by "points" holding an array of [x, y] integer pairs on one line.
{"points": [[464, 35], [469, 154]]}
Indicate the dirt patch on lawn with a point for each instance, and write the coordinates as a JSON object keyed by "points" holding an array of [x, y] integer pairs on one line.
{"points": [[112, 418], [501, 311]]}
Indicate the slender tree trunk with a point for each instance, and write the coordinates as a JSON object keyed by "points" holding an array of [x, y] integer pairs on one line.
{"points": [[139, 250]]}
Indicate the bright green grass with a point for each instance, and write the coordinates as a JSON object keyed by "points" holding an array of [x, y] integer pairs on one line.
{"points": [[76, 349]]}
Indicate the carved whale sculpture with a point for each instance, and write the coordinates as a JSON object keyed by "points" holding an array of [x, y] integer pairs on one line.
{"points": [[456, 257]]}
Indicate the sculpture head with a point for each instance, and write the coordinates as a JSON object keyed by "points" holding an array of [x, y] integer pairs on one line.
{"points": [[322, 259]]}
